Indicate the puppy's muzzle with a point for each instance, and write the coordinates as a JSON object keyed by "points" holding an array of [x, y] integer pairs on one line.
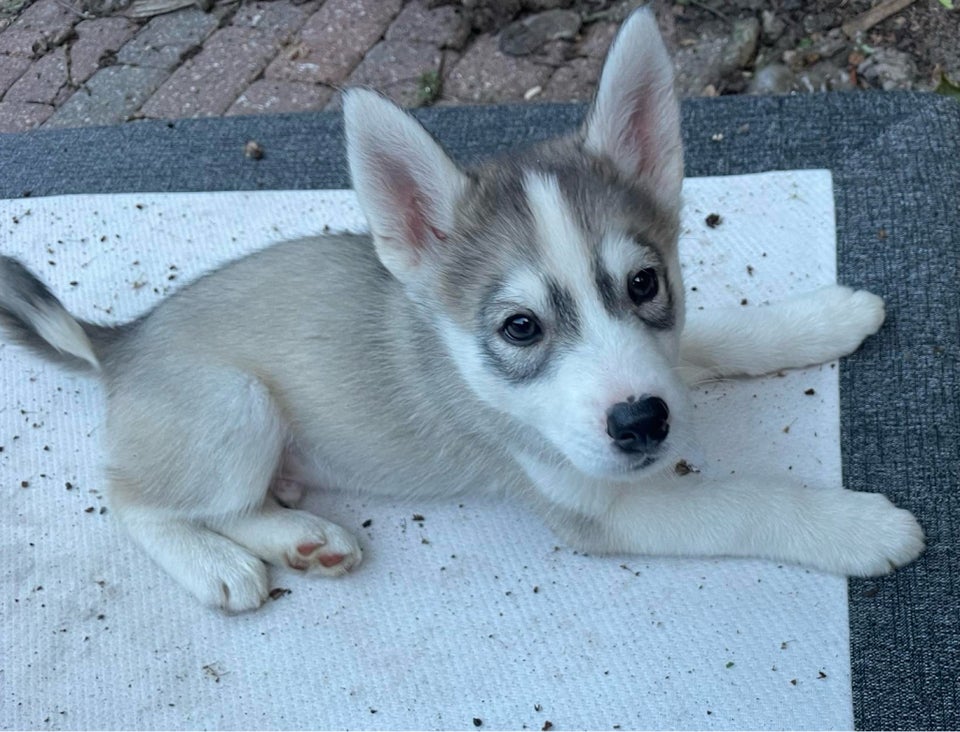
{"points": [[638, 425]]}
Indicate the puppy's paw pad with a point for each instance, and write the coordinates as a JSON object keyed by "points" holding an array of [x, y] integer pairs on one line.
{"points": [[287, 491], [331, 554]]}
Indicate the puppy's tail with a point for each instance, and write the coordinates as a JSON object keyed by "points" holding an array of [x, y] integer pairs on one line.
{"points": [[32, 316]]}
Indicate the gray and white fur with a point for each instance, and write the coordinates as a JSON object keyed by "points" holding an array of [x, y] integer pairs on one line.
{"points": [[518, 326]]}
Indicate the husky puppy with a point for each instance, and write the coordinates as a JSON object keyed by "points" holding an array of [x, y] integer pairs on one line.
{"points": [[518, 326]]}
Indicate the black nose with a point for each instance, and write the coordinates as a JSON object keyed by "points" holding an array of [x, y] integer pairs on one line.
{"points": [[638, 425]]}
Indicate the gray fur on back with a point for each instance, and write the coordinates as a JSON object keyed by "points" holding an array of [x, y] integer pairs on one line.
{"points": [[338, 344]]}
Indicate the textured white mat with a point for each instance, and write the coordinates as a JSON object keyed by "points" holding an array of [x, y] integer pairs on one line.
{"points": [[473, 616]]}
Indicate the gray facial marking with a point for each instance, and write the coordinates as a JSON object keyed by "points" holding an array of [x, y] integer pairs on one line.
{"points": [[606, 286], [515, 368], [661, 315], [519, 364], [566, 321], [516, 364]]}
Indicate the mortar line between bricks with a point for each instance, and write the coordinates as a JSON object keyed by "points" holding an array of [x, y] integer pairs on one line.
{"points": [[259, 76], [185, 59], [68, 69]]}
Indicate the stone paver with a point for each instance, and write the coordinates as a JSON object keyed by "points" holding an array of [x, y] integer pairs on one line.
{"points": [[526, 35], [268, 95], [325, 52], [166, 39], [113, 94], [484, 74], [11, 69], [256, 56], [211, 81], [576, 81], [43, 24], [445, 26], [596, 39], [96, 39], [45, 82], [283, 19], [407, 72], [20, 116], [698, 67]]}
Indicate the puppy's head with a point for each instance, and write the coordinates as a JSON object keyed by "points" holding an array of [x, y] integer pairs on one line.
{"points": [[551, 276]]}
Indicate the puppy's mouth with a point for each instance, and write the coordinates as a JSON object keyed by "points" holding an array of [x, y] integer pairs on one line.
{"points": [[642, 464], [622, 470]]}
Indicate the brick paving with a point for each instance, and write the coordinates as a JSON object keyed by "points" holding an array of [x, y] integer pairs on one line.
{"points": [[326, 51], [62, 65], [165, 41], [97, 40], [208, 83], [45, 82], [64, 68]]}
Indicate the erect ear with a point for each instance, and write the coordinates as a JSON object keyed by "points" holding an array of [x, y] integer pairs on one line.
{"points": [[407, 186], [635, 118]]}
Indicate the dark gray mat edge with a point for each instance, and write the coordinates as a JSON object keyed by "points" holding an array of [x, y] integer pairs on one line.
{"points": [[895, 159]]}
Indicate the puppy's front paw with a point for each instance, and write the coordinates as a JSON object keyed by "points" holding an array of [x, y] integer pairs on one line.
{"points": [[228, 578], [848, 316]]}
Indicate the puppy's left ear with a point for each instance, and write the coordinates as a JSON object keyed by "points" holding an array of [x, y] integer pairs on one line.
{"points": [[407, 186], [635, 118]]}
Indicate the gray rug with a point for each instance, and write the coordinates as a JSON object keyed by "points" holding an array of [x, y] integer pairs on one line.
{"points": [[895, 159]]}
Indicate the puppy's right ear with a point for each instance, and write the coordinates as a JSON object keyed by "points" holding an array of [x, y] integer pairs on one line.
{"points": [[635, 119], [406, 184]]}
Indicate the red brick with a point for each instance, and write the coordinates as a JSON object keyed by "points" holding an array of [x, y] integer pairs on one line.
{"points": [[11, 69], [207, 84], [22, 116], [45, 82], [20, 43], [166, 39], [96, 38], [113, 94], [446, 26], [45, 23], [281, 96], [597, 39], [484, 74], [281, 17], [48, 15], [399, 70], [574, 82], [334, 40]]}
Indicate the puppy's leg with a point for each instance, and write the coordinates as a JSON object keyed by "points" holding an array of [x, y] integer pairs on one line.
{"points": [[192, 448], [807, 329], [214, 569], [297, 539], [838, 531]]}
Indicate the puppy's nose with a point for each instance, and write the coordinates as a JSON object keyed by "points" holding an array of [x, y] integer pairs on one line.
{"points": [[638, 425]]}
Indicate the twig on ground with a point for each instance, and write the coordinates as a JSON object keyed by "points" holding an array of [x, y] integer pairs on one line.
{"points": [[877, 14]]}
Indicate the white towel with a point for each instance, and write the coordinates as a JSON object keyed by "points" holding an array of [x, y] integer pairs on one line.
{"points": [[475, 616]]}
